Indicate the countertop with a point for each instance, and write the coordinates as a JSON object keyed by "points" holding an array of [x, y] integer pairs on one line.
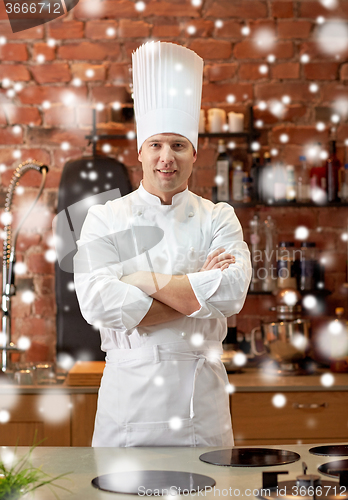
{"points": [[87, 463], [256, 380], [248, 380]]}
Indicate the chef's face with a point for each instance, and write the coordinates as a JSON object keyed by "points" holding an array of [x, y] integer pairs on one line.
{"points": [[167, 161]]}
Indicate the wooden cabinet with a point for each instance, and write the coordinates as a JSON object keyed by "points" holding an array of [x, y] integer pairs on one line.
{"points": [[306, 417], [84, 407], [64, 419], [35, 418]]}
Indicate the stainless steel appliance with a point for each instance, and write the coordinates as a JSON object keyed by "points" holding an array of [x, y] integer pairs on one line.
{"points": [[287, 340]]}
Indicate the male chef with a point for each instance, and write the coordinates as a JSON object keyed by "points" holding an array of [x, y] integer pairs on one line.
{"points": [[159, 270]]}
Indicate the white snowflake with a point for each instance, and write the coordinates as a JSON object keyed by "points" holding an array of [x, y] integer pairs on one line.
{"points": [[77, 82], [27, 296], [265, 38], [301, 233], [110, 31], [50, 255], [310, 301], [4, 418], [327, 379], [284, 138], [46, 105], [6, 83], [20, 268], [304, 58], [140, 6], [23, 343], [279, 400], [175, 423]]}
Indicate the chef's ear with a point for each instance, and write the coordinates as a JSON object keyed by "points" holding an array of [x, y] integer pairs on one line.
{"points": [[140, 155], [194, 155]]}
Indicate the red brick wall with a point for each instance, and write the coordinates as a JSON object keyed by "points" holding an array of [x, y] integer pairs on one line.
{"points": [[101, 36]]}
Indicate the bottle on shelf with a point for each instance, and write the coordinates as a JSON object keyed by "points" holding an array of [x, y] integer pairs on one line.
{"points": [[344, 184], [279, 182], [307, 266], [238, 175], [333, 165], [290, 183], [267, 180], [303, 182], [255, 177], [269, 283], [247, 190], [338, 330], [223, 167], [257, 246], [318, 182], [286, 266]]}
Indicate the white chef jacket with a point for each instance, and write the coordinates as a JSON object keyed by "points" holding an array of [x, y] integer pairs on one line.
{"points": [[193, 228], [132, 410]]}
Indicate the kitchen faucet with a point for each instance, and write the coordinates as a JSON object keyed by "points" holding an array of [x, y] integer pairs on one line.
{"points": [[9, 259]]}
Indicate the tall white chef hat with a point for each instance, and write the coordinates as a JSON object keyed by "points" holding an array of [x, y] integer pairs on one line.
{"points": [[167, 85]]}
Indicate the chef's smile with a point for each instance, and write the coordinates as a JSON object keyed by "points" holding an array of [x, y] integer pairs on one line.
{"points": [[167, 161]]}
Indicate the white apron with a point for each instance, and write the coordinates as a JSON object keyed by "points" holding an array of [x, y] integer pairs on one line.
{"points": [[164, 395]]}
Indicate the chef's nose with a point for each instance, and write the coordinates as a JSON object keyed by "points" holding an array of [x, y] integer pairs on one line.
{"points": [[166, 154]]}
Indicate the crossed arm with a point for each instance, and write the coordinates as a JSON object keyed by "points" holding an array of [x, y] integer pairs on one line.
{"points": [[173, 295]]}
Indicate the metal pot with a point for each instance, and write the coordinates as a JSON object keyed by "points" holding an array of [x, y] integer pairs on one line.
{"points": [[284, 341]]}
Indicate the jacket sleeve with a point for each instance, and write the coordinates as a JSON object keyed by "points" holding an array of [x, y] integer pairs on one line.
{"points": [[104, 300], [222, 293]]}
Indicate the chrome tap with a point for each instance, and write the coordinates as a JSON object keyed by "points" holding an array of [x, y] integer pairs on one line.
{"points": [[9, 259]]}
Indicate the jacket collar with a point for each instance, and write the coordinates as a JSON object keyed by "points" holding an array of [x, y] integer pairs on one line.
{"points": [[151, 199]]}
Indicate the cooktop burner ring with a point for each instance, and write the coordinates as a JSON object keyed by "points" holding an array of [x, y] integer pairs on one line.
{"points": [[250, 457], [330, 450], [153, 482], [335, 465]]}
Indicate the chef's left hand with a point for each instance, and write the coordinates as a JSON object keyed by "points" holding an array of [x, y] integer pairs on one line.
{"points": [[218, 260]]}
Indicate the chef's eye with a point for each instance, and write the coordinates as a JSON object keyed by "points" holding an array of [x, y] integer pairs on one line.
{"points": [[154, 144], [178, 145]]}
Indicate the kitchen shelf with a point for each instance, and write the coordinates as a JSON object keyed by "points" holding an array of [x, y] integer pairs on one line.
{"points": [[250, 134], [318, 293], [239, 204]]}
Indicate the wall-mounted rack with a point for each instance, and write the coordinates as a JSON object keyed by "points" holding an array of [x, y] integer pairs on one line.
{"points": [[251, 134]]}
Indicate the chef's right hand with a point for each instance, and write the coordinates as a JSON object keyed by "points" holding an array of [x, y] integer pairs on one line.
{"points": [[218, 260]]}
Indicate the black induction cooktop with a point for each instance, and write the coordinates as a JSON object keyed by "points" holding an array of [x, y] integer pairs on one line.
{"points": [[153, 482], [331, 468], [332, 450], [249, 457]]}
